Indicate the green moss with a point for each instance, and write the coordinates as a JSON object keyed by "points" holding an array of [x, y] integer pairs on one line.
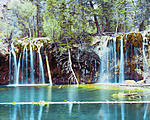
{"points": [[139, 40], [118, 43], [113, 87]]}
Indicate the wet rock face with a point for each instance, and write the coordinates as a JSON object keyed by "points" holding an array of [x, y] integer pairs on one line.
{"points": [[4, 66], [133, 54], [136, 55], [85, 64]]}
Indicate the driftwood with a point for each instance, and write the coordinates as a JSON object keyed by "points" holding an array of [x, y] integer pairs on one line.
{"points": [[75, 102]]}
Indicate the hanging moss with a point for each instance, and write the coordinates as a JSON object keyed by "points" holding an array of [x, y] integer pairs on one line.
{"points": [[118, 43], [130, 39], [139, 39], [124, 43]]}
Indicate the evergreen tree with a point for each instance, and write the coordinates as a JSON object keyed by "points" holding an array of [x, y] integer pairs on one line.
{"points": [[20, 19]]}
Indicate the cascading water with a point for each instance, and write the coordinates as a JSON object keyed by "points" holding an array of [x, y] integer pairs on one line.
{"points": [[41, 66], [115, 60], [146, 58], [26, 66], [31, 66], [104, 67], [21, 66], [123, 58], [14, 63], [10, 67], [108, 56], [18, 71], [145, 62], [24, 52], [121, 71]]}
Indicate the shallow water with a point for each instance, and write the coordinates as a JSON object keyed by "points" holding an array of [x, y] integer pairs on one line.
{"points": [[69, 93]]}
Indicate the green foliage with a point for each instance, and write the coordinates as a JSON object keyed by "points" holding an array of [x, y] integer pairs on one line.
{"points": [[19, 18], [69, 22], [66, 21]]}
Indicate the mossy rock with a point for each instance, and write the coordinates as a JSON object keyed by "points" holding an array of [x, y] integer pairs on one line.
{"points": [[135, 39], [118, 43], [139, 38], [130, 39]]}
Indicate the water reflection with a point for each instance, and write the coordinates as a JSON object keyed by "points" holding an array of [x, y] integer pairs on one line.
{"points": [[72, 96], [25, 112], [68, 111], [79, 112]]}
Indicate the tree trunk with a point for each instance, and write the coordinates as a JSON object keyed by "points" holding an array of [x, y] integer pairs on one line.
{"points": [[37, 19], [107, 24], [125, 19], [48, 69], [95, 18], [70, 65], [117, 23]]}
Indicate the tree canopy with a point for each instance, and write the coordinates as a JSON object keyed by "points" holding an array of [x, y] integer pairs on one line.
{"points": [[75, 20]]}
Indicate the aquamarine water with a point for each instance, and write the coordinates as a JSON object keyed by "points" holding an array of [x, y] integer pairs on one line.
{"points": [[70, 93], [79, 112], [72, 111]]}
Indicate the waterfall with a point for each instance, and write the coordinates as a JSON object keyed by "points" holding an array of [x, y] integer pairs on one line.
{"points": [[31, 66], [144, 55], [26, 66], [19, 66], [10, 67], [24, 52], [108, 60], [18, 71], [14, 63], [104, 67], [121, 72], [145, 60], [115, 60], [41, 66]]}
